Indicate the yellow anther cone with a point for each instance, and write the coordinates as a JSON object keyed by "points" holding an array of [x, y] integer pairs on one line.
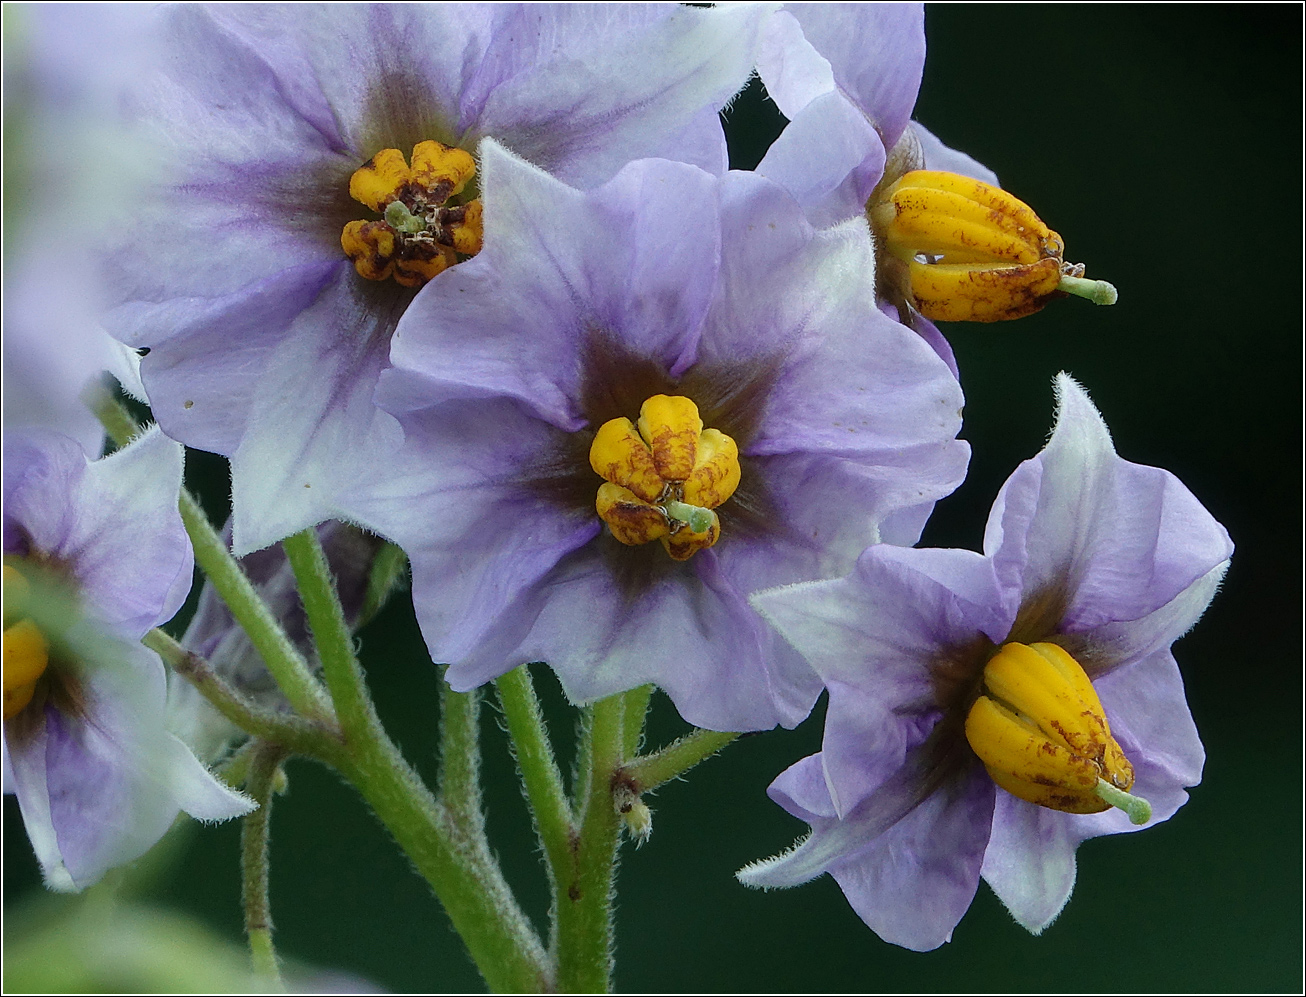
{"points": [[972, 251], [664, 476], [1040, 730]]}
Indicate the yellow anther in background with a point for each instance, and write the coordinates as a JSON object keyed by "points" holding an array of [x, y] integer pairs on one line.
{"points": [[26, 653], [974, 252], [664, 477], [469, 234], [685, 543], [371, 246], [1041, 732]]}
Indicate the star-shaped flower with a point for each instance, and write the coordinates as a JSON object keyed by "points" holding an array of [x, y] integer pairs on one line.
{"points": [[988, 713], [321, 171], [98, 775], [636, 407]]}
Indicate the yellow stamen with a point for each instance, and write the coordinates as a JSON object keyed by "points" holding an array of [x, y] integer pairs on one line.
{"points": [[420, 235], [973, 252], [664, 477], [1041, 732], [26, 653]]}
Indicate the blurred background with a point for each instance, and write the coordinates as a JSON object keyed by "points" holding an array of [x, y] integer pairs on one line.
{"points": [[1164, 144]]}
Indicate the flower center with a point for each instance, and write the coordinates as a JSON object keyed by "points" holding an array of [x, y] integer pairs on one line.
{"points": [[1040, 730], [663, 478], [26, 653], [420, 234], [972, 251]]}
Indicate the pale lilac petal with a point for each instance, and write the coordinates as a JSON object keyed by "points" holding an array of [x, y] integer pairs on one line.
{"points": [[1030, 861], [584, 118], [792, 71], [1120, 540], [1148, 712], [909, 866], [112, 523], [870, 637], [702, 143], [929, 332], [100, 786], [940, 157], [853, 382], [917, 879], [27, 781], [313, 424], [202, 383], [41, 469], [691, 632], [1130, 640], [493, 537], [829, 158], [876, 52]]}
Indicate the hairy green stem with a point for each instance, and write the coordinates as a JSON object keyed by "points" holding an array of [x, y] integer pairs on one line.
{"points": [[584, 942], [651, 771], [254, 834], [331, 633], [452, 856], [292, 733], [554, 821], [636, 710], [284, 661], [460, 759], [462, 872]]}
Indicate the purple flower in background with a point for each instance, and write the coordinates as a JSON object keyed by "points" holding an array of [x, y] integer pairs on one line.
{"points": [[710, 311], [937, 662], [99, 777], [300, 133], [70, 169]]}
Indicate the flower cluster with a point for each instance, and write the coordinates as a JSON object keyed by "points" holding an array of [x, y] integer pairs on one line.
{"points": [[476, 278]]}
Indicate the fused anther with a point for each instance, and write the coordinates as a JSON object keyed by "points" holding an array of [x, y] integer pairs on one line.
{"points": [[419, 234]]}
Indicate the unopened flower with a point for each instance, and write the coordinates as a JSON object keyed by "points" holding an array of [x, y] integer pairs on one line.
{"points": [[634, 408], [322, 171], [989, 713], [214, 634], [95, 555]]}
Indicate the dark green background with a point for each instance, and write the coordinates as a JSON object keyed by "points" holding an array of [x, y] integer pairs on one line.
{"points": [[1164, 144]]}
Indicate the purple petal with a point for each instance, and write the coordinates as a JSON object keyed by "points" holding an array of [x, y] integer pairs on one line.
{"points": [[313, 431], [112, 523], [876, 54], [1120, 539], [548, 265], [583, 114], [909, 867], [829, 158], [100, 786], [940, 157], [872, 638], [203, 376], [1030, 861]]}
